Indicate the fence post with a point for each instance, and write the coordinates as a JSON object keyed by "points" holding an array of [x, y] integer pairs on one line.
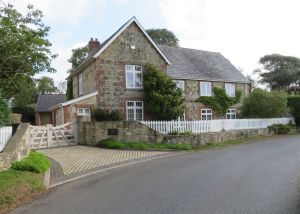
{"points": [[49, 135]]}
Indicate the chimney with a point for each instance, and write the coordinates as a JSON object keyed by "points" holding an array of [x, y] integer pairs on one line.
{"points": [[93, 44]]}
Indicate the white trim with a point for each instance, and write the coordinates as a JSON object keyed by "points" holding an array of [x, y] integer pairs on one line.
{"points": [[133, 19], [207, 80], [231, 112], [207, 89], [74, 100], [134, 107], [206, 113], [134, 72], [230, 89]]}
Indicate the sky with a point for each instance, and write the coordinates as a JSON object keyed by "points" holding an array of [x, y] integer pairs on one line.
{"points": [[242, 30]]}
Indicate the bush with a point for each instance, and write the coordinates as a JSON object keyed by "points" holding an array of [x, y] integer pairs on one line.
{"points": [[105, 115], [111, 144], [35, 162], [280, 128], [264, 104], [162, 98], [28, 113], [294, 105], [4, 112]]}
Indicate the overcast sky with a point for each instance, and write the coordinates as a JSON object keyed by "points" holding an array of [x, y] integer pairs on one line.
{"points": [[242, 30]]}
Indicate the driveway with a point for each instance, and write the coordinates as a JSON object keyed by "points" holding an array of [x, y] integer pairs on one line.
{"points": [[260, 177]]}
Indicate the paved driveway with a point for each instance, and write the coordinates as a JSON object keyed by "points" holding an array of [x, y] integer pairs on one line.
{"points": [[258, 178], [74, 159]]}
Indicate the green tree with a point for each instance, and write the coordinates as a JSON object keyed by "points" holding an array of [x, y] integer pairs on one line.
{"points": [[24, 47], [4, 112], [282, 71], [162, 98], [46, 85], [78, 55], [163, 37], [264, 104], [69, 92], [294, 105], [29, 93]]}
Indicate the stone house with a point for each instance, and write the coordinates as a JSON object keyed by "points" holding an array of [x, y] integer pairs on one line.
{"points": [[111, 76]]}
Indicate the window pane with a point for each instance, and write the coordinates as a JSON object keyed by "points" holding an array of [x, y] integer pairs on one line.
{"points": [[129, 68], [139, 114], [138, 68], [138, 80], [205, 88], [130, 114], [129, 80], [130, 104], [87, 111]]}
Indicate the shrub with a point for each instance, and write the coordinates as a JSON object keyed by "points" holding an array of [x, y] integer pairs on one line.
{"points": [[111, 144], [4, 112], [27, 112], [105, 115], [35, 162], [264, 104], [162, 98], [280, 128], [294, 105]]}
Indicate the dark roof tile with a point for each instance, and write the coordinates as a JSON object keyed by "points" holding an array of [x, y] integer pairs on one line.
{"points": [[48, 100]]}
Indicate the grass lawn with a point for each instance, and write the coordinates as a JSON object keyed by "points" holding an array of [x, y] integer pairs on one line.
{"points": [[109, 144], [17, 187]]}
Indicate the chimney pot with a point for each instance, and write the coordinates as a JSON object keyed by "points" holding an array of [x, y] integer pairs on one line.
{"points": [[93, 44]]}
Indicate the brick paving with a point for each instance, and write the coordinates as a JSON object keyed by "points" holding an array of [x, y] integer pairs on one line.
{"points": [[74, 159]]}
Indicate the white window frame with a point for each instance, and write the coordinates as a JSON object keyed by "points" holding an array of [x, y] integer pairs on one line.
{"points": [[230, 89], [134, 70], [206, 89], [205, 112], [180, 84], [134, 107], [80, 84], [231, 114], [86, 112]]}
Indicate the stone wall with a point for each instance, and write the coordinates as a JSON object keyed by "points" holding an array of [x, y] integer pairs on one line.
{"points": [[18, 147], [90, 133], [216, 137]]}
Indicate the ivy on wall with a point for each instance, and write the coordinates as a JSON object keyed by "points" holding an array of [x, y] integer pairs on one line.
{"points": [[220, 102]]}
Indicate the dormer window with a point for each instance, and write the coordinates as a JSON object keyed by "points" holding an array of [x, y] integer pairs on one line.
{"points": [[205, 89]]}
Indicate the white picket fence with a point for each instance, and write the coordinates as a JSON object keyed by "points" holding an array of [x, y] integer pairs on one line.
{"points": [[5, 136], [205, 126]]}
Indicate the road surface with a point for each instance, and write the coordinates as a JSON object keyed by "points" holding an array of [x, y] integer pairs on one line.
{"points": [[260, 177]]}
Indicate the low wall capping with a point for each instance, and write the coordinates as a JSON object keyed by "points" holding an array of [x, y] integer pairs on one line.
{"points": [[18, 147]]}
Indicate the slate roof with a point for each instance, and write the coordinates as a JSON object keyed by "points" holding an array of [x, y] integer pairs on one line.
{"points": [[202, 65], [46, 101]]}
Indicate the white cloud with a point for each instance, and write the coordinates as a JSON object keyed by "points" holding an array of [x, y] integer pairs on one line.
{"points": [[242, 31]]}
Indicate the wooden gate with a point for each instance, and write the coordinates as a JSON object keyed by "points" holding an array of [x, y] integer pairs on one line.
{"points": [[52, 136]]}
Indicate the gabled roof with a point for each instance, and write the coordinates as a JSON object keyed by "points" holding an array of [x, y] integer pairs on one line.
{"points": [[201, 65], [45, 101], [75, 100], [97, 51]]}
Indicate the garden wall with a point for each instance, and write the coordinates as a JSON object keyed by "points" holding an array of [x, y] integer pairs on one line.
{"points": [[18, 147]]}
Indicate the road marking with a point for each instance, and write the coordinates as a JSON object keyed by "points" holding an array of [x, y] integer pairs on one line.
{"points": [[113, 167]]}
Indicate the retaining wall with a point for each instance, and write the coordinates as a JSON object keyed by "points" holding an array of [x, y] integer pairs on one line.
{"points": [[18, 147]]}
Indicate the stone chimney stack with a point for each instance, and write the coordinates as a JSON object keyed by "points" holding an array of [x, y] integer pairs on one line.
{"points": [[93, 44]]}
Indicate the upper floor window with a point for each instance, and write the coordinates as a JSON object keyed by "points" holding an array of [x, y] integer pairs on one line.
{"points": [[80, 84], [133, 76], [205, 88], [230, 89], [231, 114], [180, 84]]}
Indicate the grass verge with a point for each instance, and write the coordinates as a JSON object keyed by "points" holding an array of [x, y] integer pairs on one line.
{"points": [[17, 187], [110, 144]]}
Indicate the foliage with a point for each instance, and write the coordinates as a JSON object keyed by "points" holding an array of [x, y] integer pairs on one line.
{"points": [[4, 112], [35, 162], [46, 85], [105, 115], [27, 112], [283, 71], [294, 105], [78, 55], [24, 47], [281, 128], [186, 133], [111, 144], [28, 95], [69, 92], [163, 37], [162, 98], [220, 102], [17, 187], [264, 104]]}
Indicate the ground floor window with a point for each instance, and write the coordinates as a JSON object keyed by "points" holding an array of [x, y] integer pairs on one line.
{"points": [[231, 114], [85, 112], [181, 118], [134, 110], [206, 114]]}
